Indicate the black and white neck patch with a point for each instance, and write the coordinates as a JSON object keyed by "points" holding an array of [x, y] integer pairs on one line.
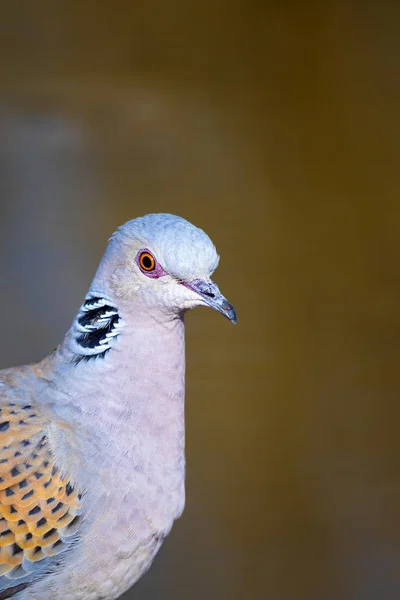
{"points": [[96, 328]]}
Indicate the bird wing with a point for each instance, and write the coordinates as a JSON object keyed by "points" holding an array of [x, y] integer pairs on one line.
{"points": [[39, 507]]}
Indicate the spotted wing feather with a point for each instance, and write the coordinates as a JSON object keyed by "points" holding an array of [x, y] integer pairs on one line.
{"points": [[39, 508]]}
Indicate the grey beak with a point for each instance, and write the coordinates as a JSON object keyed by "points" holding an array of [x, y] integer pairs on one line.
{"points": [[211, 295]]}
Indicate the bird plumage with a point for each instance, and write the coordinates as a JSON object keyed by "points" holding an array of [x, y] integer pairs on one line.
{"points": [[92, 438]]}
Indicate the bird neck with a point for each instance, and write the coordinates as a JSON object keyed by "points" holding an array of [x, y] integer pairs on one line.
{"points": [[126, 355]]}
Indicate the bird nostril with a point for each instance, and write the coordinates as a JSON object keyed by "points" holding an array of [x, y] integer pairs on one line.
{"points": [[209, 294]]}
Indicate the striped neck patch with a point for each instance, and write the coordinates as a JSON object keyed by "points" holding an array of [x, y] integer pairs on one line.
{"points": [[96, 328]]}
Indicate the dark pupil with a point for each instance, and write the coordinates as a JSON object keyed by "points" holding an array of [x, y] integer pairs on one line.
{"points": [[147, 262]]}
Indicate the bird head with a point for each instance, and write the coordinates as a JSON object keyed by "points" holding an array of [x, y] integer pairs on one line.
{"points": [[164, 264]]}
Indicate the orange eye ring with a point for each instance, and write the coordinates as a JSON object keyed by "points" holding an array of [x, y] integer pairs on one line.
{"points": [[147, 262]]}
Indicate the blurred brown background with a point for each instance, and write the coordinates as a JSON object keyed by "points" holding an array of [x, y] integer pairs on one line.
{"points": [[276, 128]]}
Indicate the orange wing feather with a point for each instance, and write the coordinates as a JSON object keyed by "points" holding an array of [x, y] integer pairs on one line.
{"points": [[39, 508]]}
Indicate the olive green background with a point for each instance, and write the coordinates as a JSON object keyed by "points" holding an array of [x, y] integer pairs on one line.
{"points": [[275, 126]]}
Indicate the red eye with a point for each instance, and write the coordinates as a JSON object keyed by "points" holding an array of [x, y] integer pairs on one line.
{"points": [[147, 262]]}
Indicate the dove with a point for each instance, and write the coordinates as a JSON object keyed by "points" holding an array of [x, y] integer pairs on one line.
{"points": [[92, 438]]}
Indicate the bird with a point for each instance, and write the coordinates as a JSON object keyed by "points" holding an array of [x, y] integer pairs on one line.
{"points": [[92, 437]]}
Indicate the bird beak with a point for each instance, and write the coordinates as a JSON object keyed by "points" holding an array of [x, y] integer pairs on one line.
{"points": [[210, 294]]}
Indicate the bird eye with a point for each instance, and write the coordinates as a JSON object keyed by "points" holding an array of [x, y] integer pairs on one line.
{"points": [[147, 261]]}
